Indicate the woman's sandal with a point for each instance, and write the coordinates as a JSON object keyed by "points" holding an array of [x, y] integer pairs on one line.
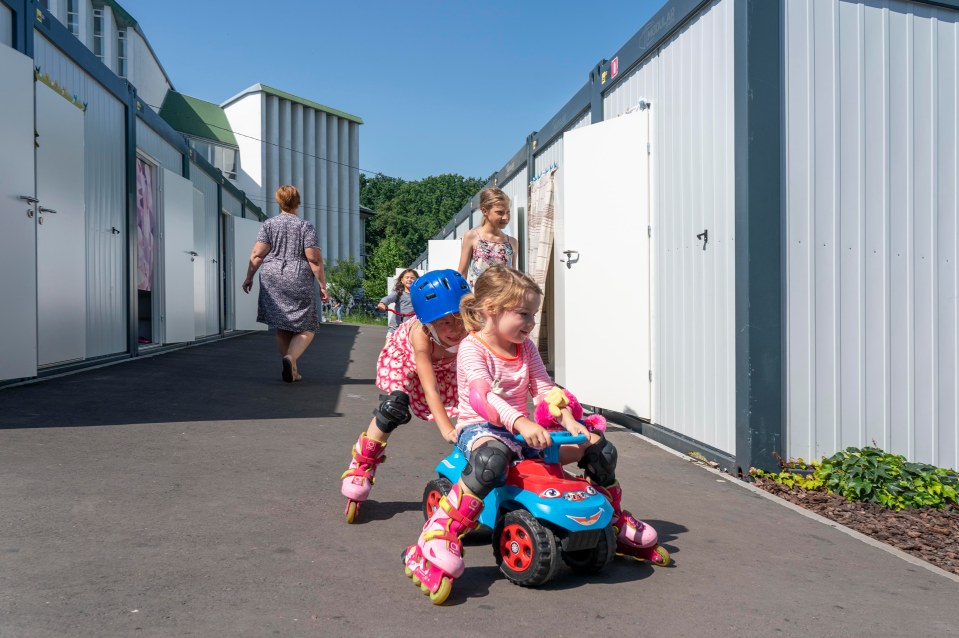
{"points": [[288, 369]]}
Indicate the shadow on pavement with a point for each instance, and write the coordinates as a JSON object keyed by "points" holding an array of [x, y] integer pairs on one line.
{"points": [[233, 379]]}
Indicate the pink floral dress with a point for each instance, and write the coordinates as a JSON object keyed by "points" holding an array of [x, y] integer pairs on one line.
{"points": [[396, 370], [485, 254]]}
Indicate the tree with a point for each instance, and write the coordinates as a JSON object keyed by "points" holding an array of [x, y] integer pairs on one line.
{"points": [[344, 278], [416, 210], [382, 263]]}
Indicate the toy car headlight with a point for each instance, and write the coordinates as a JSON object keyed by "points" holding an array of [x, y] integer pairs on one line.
{"points": [[550, 492]]}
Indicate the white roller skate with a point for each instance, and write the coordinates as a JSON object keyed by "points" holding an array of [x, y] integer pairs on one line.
{"points": [[437, 558], [358, 480], [634, 538]]}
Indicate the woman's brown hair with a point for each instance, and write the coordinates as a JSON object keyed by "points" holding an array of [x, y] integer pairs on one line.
{"points": [[288, 198], [499, 288]]}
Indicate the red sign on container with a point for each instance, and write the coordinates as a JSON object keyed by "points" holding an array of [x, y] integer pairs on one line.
{"points": [[614, 67]]}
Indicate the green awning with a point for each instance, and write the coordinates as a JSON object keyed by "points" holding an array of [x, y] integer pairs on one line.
{"points": [[197, 118]]}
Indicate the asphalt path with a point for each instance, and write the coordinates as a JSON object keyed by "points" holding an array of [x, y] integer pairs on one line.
{"points": [[196, 494]]}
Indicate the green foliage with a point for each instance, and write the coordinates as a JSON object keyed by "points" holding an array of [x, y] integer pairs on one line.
{"points": [[380, 264], [871, 475], [413, 212], [343, 278], [364, 318]]}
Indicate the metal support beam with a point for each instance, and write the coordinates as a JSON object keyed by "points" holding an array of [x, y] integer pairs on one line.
{"points": [[133, 311], [759, 126]]}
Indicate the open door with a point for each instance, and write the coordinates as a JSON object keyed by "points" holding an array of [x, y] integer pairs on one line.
{"points": [[603, 269], [244, 236], [178, 316], [61, 230], [18, 221]]}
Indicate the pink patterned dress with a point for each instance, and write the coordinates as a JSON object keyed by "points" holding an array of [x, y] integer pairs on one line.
{"points": [[396, 370], [485, 254]]}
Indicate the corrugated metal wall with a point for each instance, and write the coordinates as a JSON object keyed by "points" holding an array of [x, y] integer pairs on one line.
{"points": [[872, 171], [205, 242], [105, 177], [158, 148], [690, 85], [319, 154], [6, 25], [517, 188], [231, 204], [552, 153]]}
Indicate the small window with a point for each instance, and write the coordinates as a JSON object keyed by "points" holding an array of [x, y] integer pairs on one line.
{"points": [[73, 17], [122, 53], [98, 33], [226, 161]]}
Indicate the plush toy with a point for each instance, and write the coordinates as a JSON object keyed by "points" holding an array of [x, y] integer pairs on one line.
{"points": [[547, 412]]}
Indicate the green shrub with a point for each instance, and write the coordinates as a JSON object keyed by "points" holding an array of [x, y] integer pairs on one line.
{"points": [[871, 475]]}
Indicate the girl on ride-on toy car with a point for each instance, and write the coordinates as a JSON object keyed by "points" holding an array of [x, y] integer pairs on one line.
{"points": [[498, 369]]}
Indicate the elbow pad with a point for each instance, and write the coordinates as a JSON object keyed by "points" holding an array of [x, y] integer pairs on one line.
{"points": [[479, 390]]}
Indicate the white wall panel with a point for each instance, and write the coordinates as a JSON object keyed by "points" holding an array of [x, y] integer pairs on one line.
{"points": [[205, 232], [871, 174], [689, 82], [105, 199], [158, 148], [145, 72], [517, 188]]}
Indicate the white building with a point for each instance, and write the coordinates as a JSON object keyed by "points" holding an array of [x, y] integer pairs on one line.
{"points": [[285, 139], [756, 211], [118, 195]]}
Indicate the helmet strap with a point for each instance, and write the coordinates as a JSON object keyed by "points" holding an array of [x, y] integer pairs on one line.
{"points": [[436, 338]]}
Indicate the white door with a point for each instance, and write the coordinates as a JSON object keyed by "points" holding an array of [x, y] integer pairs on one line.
{"points": [[244, 236], [200, 307], [445, 253], [18, 286], [61, 230], [178, 318], [602, 238]]}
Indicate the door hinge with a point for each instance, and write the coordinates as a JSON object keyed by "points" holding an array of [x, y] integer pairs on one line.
{"points": [[650, 376], [649, 148], [649, 231]]}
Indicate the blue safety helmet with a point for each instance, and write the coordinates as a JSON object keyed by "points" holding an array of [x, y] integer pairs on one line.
{"points": [[437, 294]]}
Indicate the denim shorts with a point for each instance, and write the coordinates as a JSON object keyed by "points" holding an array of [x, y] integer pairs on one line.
{"points": [[468, 436]]}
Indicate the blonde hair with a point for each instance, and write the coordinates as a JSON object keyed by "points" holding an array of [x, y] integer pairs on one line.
{"points": [[499, 288], [490, 196], [288, 198]]}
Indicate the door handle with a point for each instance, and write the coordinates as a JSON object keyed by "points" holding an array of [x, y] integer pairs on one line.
{"points": [[193, 254], [570, 260], [28, 199], [45, 210]]}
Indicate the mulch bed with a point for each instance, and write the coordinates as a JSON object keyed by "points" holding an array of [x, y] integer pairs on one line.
{"points": [[929, 534]]}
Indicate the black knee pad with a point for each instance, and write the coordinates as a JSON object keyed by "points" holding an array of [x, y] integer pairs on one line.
{"points": [[393, 411], [488, 466], [599, 463]]}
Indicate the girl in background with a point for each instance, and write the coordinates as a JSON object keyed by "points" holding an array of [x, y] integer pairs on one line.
{"points": [[400, 298], [488, 244]]}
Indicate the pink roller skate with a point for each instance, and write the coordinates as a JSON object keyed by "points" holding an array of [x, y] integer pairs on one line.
{"points": [[634, 538], [437, 557], [358, 479]]}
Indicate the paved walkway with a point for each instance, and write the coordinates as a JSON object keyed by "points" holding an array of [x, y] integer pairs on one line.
{"points": [[196, 494]]}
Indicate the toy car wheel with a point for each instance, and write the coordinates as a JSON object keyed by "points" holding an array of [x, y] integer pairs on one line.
{"points": [[590, 561], [435, 490], [525, 550]]}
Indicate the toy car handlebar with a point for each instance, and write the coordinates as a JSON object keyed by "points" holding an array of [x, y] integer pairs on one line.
{"points": [[558, 438]]}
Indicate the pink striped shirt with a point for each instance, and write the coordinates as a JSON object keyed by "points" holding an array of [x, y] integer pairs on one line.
{"points": [[512, 380]]}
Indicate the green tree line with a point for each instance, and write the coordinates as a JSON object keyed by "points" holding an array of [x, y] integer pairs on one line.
{"points": [[408, 213]]}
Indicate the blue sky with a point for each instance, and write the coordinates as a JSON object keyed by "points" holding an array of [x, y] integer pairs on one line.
{"points": [[443, 87]]}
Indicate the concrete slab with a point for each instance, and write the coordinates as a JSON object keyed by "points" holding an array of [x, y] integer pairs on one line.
{"points": [[194, 493]]}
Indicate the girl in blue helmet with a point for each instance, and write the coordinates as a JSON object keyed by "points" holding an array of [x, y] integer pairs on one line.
{"points": [[417, 370]]}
